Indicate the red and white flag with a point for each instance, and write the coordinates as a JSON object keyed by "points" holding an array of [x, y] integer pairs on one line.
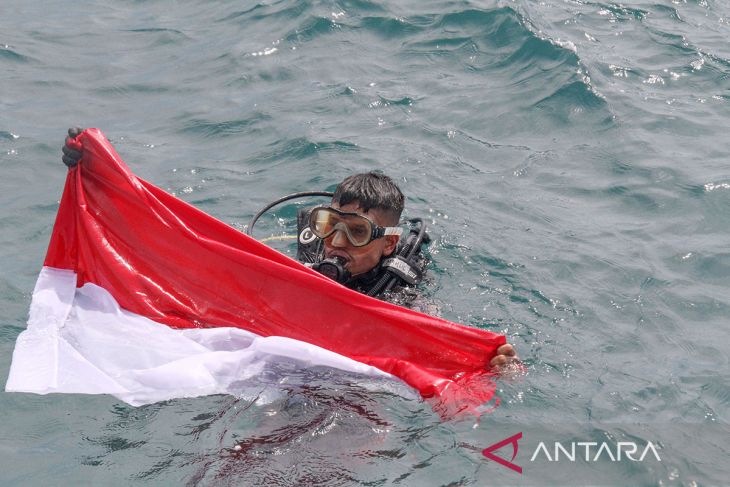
{"points": [[144, 297]]}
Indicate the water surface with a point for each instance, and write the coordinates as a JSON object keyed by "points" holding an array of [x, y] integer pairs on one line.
{"points": [[571, 159]]}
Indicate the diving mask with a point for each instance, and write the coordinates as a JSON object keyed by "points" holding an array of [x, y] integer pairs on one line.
{"points": [[359, 229]]}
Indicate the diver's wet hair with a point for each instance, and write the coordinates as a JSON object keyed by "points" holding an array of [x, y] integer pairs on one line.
{"points": [[371, 190]]}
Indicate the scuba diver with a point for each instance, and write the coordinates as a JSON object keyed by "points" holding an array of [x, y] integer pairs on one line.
{"points": [[356, 239]]}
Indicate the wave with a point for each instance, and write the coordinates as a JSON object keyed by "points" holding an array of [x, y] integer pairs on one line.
{"points": [[312, 28], [162, 36], [498, 45], [209, 128], [262, 11], [134, 88], [8, 54], [299, 149]]}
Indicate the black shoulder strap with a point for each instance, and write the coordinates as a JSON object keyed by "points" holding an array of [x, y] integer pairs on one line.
{"points": [[406, 266], [409, 271]]}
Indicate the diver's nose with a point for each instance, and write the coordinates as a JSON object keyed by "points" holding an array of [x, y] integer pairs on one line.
{"points": [[339, 239]]}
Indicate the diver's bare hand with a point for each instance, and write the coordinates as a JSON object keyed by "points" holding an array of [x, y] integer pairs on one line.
{"points": [[506, 355]]}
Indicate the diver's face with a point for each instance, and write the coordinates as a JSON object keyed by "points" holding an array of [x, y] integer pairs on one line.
{"points": [[359, 260]]}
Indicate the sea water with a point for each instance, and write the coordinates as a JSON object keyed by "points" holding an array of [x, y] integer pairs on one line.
{"points": [[570, 158]]}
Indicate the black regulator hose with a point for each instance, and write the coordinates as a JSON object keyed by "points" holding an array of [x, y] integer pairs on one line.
{"points": [[419, 238], [249, 228]]}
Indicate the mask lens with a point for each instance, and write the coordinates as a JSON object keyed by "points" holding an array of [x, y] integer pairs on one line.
{"points": [[359, 230], [323, 221], [326, 221]]}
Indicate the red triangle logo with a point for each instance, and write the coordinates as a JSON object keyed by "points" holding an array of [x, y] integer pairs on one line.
{"points": [[487, 452]]}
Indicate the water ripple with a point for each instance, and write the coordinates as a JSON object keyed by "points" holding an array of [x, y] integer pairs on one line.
{"points": [[389, 27], [8, 135], [209, 128], [312, 28], [301, 148], [9, 54]]}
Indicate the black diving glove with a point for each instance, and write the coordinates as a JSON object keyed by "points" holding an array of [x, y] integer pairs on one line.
{"points": [[71, 155]]}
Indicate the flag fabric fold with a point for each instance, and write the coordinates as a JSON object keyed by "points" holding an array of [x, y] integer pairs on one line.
{"points": [[147, 298]]}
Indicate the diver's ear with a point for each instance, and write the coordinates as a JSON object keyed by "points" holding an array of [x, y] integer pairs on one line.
{"points": [[391, 242]]}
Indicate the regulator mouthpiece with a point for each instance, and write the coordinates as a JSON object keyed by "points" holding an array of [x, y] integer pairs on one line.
{"points": [[334, 268]]}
